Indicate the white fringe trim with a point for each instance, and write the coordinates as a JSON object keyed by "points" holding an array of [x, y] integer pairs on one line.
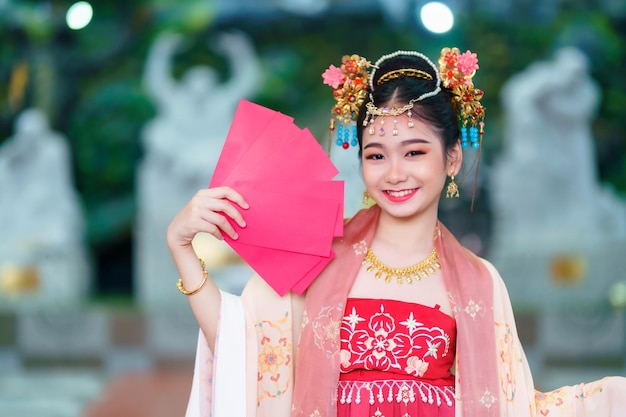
{"points": [[394, 390]]}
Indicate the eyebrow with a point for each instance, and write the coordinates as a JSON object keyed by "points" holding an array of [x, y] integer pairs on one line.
{"points": [[403, 143]]}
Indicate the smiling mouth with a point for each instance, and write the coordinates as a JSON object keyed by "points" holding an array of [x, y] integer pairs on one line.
{"points": [[400, 193]]}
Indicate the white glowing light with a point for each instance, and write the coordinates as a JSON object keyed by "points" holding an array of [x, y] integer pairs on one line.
{"points": [[437, 17], [79, 15]]}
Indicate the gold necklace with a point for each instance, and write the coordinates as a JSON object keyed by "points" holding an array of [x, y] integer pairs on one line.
{"points": [[413, 272]]}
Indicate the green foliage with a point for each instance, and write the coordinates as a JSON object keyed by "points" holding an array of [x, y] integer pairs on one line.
{"points": [[105, 132]]}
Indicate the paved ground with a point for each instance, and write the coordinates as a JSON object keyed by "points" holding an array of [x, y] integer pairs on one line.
{"points": [[80, 393], [160, 393]]}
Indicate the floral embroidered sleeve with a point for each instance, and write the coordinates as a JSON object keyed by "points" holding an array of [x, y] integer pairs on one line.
{"points": [[602, 398]]}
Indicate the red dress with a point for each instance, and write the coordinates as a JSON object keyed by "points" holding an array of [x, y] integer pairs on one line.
{"points": [[395, 360]]}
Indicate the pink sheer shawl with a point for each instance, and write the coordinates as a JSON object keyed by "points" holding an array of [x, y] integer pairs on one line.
{"points": [[471, 293]]}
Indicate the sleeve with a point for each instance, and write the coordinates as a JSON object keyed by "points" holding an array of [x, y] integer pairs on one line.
{"points": [[219, 386], [602, 398], [252, 371]]}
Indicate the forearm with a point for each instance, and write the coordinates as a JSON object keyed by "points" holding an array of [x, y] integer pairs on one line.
{"points": [[205, 303], [206, 212]]}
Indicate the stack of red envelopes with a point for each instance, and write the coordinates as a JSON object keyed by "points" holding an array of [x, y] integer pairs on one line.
{"points": [[296, 209]]}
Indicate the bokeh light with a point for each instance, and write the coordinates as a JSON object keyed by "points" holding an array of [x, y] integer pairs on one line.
{"points": [[79, 15], [436, 17]]}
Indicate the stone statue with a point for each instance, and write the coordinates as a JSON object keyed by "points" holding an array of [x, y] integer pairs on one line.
{"points": [[559, 236], [40, 214], [349, 166], [545, 185], [182, 146]]}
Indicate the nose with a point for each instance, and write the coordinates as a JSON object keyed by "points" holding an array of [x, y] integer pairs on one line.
{"points": [[396, 172]]}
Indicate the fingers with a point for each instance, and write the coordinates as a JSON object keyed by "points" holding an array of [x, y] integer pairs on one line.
{"points": [[217, 225], [214, 206], [227, 193]]}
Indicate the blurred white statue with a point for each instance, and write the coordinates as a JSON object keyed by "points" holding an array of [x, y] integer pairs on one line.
{"points": [[182, 145], [41, 219], [558, 234], [348, 164], [194, 114], [545, 186]]}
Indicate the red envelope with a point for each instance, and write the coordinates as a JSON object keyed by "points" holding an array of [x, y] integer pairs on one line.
{"points": [[296, 208], [250, 119], [301, 286], [276, 216], [280, 269], [298, 155]]}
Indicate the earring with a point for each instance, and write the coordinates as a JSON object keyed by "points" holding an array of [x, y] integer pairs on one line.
{"points": [[453, 190], [367, 199]]}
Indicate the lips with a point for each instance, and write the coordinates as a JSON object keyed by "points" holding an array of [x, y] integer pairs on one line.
{"points": [[399, 195]]}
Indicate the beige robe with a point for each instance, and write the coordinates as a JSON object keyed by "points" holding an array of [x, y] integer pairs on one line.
{"points": [[257, 365]]}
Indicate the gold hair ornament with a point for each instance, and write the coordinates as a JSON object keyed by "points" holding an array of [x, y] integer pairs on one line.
{"points": [[457, 71], [404, 72], [349, 83], [350, 88], [384, 58], [373, 111]]}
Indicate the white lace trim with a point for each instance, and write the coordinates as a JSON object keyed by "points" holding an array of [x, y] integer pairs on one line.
{"points": [[394, 390]]}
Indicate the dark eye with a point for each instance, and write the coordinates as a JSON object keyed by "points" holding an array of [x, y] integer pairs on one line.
{"points": [[414, 153], [375, 156]]}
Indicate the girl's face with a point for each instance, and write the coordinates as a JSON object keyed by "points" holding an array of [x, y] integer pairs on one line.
{"points": [[405, 174]]}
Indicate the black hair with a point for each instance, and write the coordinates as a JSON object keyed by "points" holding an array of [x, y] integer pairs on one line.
{"points": [[437, 110]]}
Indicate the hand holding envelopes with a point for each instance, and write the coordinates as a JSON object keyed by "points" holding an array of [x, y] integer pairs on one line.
{"points": [[296, 209]]}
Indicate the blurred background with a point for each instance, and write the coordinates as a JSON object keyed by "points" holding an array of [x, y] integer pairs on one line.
{"points": [[113, 113]]}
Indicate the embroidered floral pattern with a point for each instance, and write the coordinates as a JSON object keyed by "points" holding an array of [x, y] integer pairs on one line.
{"points": [[411, 324], [508, 357], [326, 328], [382, 343], [353, 318], [275, 356], [376, 347], [456, 309], [344, 357], [271, 358], [590, 389], [473, 308], [548, 400], [488, 399], [360, 248], [416, 366]]}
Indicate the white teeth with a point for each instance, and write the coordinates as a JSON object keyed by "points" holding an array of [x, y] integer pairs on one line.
{"points": [[399, 193]]}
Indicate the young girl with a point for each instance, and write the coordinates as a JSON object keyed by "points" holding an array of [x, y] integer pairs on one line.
{"points": [[404, 321]]}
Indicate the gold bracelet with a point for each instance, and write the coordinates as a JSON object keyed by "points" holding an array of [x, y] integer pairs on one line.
{"points": [[205, 275]]}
